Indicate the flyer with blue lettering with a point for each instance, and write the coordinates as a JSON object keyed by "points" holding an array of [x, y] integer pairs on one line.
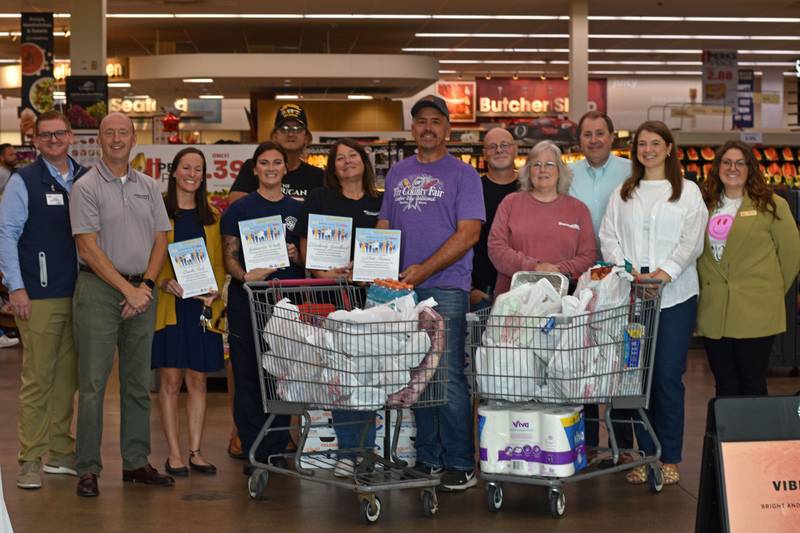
{"points": [[328, 242], [264, 243], [377, 254], [192, 267]]}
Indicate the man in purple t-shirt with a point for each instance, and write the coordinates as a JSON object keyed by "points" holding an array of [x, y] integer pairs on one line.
{"points": [[437, 202]]}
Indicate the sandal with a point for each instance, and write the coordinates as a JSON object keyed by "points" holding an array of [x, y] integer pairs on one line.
{"points": [[637, 476], [671, 474]]}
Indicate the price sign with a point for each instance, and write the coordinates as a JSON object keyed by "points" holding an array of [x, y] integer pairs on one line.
{"points": [[720, 77]]}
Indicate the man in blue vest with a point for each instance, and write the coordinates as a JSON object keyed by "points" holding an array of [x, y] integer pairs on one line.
{"points": [[40, 265]]}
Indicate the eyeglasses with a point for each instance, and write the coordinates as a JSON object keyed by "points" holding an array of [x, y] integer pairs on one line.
{"points": [[494, 147], [548, 165], [291, 129], [727, 163], [47, 135]]}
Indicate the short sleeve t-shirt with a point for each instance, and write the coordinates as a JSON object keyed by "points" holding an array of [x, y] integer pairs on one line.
{"points": [[426, 201], [720, 224], [297, 183], [322, 201], [256, 206], [484, 275]]}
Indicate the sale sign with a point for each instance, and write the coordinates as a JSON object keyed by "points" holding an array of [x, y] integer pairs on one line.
{"points": [[720, 77], [527, 97]]}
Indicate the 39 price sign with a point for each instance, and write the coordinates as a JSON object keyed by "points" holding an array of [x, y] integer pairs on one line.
{"points": [[225, 168]]}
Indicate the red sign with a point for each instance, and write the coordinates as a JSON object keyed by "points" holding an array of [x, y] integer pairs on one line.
{"points": [[507, 97], [460, 98]]}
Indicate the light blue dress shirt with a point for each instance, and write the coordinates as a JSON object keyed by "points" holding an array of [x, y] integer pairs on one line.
{"points": [[593, 186], [14, 215]]}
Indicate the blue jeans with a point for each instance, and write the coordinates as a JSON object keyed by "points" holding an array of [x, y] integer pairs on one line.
{"points": [[444, 433], [666, 411], [348, 436]]}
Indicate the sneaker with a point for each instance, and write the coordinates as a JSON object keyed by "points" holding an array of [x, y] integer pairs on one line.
{"points": [[422, 468], [29, 476], [8, 342], [64, 465], [459, 480], [344, 468]]}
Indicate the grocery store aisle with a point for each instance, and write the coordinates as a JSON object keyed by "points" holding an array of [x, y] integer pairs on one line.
{"points": [[221, 504]]}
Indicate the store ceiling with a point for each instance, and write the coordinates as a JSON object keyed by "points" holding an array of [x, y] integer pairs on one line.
{"points": [[616, 46]]}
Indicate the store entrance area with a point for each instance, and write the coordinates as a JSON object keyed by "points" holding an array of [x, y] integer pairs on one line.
{"points": [[221, 503]]}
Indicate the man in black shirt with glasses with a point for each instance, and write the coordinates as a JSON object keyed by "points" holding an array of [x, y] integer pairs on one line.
{"points": [[291, 133]]}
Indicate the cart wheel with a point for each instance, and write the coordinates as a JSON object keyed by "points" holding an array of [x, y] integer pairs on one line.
{"points": [[494, 497], [371, 509], [558, 502], [655, 479], [430, 503], [257, 483]]}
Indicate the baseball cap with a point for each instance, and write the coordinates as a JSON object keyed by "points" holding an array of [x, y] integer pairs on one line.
{"points": [[433, 101], [288, 112]]}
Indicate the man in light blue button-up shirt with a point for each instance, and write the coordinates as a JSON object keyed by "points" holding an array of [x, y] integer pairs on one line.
{"points": [[594, 180]]}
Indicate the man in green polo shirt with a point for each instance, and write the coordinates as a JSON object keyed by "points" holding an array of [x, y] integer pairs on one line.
{"points": [[119, 222]]}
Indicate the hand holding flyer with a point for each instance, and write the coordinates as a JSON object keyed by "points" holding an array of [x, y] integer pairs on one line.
{"points": [[264, 243], [377, 254], [328, 242], [192, 267]]}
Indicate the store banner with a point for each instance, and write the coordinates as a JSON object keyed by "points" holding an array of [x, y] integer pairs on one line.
{"points": [[743, 117], [87, 101], [460, 98], [36, 59], [507, 97], [720, 78]]}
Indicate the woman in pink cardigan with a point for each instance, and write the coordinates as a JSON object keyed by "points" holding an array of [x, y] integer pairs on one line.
{"points": [[541, 227]]}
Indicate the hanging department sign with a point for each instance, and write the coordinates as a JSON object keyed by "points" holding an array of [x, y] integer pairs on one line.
{"points": [[36, 64], [525, 97], [720, 77]]}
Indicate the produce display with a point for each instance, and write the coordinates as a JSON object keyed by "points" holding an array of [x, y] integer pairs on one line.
{"points": [[778, 164]]}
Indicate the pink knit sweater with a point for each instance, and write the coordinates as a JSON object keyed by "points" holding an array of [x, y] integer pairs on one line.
{"points": [[526, 231]]}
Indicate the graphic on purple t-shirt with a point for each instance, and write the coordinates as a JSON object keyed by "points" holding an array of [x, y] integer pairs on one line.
{"points": [[426, 201]]}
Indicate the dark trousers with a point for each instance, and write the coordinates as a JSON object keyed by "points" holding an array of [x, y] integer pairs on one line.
{"points": [[248, 409], [739, 365], [623, 431]]}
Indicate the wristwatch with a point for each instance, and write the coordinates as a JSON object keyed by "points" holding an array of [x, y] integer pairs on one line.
{"points": [[150, 283]]}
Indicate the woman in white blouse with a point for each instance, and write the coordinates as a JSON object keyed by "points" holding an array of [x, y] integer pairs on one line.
{"points": [[655, 220]]}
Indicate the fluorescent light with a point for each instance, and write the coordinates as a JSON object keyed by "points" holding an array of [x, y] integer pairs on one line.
{"points": [[766, 64], [491, 50], [500, 17], [771, 52], [645, 51], [287, 97], [614, 36], [497, 35], [271, 16], [494, 61], [11, 61], [359, 97], [448, 71], [141, 97], [365, 16], [198, 80], [119, 84], [140, 15], [211, 97], [646, 63]]}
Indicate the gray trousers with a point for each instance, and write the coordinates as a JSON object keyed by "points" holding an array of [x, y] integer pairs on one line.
{"points": [[99, 331]]}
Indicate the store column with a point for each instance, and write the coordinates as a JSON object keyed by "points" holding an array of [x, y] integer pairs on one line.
{"points": [[578, 58], [87, 42], [771, 99]]}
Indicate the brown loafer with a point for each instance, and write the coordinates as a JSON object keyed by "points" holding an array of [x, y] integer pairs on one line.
{"points": [[148, 476], [87, 486]]}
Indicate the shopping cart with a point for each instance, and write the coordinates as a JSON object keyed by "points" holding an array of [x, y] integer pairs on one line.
{"points": [[310, 361], [569, 360]]}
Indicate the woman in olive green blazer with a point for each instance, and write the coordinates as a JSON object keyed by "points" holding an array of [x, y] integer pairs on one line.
{"points": [[750, 259]]}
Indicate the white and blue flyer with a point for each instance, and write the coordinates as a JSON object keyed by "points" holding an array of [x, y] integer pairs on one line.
{"points": [[377, 254], [328, 242], [192, 267], [264, 243]]}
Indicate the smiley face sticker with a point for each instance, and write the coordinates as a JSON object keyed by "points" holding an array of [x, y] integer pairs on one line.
{"points": [[719, 227]]}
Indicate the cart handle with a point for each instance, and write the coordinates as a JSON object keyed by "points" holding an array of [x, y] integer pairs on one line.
{"points": [[305, 282]]}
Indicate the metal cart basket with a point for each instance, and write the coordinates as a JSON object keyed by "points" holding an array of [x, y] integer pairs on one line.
{"points": [[312, 355], [601, 357]]}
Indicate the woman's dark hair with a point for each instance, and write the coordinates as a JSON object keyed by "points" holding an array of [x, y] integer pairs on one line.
{"points": [[368, 179], [204, 212], [267, 146], [672, 167], [755, 185]]}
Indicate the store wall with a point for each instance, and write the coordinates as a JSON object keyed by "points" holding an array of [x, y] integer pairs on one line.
{"points": [[338, 115]]}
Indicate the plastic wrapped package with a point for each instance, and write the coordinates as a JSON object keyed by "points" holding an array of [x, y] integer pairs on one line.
{"points": [[516, 315]]}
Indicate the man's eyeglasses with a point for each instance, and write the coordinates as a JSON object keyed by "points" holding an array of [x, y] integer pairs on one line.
{"points": [[549, 165], [291, 129], [494, 147], [727, 163], [47, 135]]}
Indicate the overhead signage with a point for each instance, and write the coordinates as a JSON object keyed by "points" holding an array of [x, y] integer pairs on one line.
{"points": [[720, 78], [460, 98], [745, 109], [36, 64], [506, 97]]}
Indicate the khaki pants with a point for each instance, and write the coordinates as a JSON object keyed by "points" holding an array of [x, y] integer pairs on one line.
{"points": [[49, 380], [99, 331]]}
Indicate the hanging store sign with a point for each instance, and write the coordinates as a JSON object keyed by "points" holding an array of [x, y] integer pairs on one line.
{"points": [[460, 98], [743, 116], [36, 64], [720, 77], [507, 97]]}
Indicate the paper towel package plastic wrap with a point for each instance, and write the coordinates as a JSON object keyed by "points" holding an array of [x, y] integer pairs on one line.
{"points": [[531, 440]]}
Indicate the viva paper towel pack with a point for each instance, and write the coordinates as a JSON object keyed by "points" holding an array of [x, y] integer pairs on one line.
{"points": [[531, 440]]}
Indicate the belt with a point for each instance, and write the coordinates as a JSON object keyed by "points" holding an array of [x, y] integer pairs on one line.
{"points": [[133, 278]]}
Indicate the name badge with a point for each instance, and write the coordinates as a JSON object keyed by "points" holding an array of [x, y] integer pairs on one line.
{"points": [[751, 213], [55, 199]]}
